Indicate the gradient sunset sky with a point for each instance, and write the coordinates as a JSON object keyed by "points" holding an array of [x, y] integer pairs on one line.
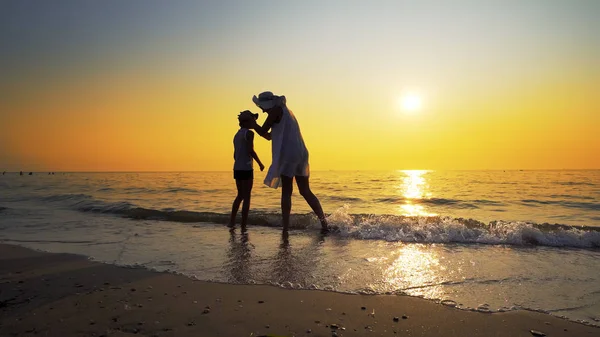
{"points": [[157, 85]]}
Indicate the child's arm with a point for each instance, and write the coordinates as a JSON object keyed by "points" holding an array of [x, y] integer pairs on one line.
{"points": [[250, 139]]}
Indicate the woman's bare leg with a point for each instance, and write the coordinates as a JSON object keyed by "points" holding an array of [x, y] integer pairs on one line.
{"points": [[311, 199], [287, 187]]}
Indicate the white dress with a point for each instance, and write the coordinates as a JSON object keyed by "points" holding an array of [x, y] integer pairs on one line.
{"points": [[289, 154]]}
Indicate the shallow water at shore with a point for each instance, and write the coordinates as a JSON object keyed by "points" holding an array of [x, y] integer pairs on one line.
{"points": [[417, 233], [563, 282]]}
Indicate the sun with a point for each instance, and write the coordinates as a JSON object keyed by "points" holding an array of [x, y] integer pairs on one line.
{"points": [[411, 102]]}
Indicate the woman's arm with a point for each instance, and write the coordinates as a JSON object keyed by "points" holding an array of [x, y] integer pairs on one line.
{"points": [[264, 129]]}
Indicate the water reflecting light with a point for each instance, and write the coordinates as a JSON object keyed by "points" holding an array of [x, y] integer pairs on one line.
{"points": [[417, 271], [414, 188]]}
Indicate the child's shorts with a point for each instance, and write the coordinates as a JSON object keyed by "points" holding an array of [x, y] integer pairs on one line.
{"points": [[243, 174]]}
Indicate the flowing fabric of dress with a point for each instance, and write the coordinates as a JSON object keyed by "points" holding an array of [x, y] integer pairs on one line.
{"points": [[289, 153]]}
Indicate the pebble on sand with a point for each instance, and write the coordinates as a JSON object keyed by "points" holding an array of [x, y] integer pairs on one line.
{"points": [[537, 333]]}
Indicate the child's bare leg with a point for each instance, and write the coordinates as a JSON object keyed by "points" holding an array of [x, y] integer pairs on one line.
{"points": [[236, 203], [234, 209], [311, 199], [247, 191], [286, 200]]}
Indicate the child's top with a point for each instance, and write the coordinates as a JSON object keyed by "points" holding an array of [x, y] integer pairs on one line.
{"points": [[241, 153]]}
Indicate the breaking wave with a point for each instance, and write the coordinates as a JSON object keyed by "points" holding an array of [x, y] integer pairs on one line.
{"points": [[421, 229]]}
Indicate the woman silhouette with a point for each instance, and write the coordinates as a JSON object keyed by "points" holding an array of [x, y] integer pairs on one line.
{"points": [[289, 155]]}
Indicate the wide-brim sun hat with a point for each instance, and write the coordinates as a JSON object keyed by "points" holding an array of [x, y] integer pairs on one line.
{"points": [[266, 100]]}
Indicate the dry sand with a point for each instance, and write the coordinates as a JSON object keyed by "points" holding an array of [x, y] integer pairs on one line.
{"points": [[44, 294]]}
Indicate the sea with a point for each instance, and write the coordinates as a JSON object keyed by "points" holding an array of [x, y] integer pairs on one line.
{"points": [[486, 241]]}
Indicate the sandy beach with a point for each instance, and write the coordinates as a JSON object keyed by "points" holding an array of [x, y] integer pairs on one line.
{"points": [[45, 294]]}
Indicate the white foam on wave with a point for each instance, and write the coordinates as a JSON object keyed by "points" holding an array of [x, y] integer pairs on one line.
{"points": [[452, 230]]}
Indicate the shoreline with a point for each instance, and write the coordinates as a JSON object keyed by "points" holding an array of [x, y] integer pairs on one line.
{"points": [[56, 294]]}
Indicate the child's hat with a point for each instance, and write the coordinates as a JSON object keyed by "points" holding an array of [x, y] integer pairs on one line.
{"points": [[247, 115]]}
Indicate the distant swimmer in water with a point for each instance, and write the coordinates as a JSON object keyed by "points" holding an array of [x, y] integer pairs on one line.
{"points": [[21, 173], [3, 173], [30, 173]]}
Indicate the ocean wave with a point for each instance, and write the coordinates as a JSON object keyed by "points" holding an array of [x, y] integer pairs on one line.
{"points": [[574, 183], [570, 196], [98, 206], [87, 242], [65, 197], [432, 201], [438, 229], [438, 201], [181, 189], [87, 203], [134, 189], [145, 190], [342, 198], [461, 204], [106, 189], [458, 230], [569, 204], [489, 202], [420, 229]]}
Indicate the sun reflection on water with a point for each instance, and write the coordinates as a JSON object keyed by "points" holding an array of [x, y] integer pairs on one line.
{"points": [[414, 188], [416, 271]]}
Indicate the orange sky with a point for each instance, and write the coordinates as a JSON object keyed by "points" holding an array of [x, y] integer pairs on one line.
{"points": [[511, 86]]}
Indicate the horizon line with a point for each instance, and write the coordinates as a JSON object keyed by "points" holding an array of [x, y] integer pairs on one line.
{"points": [[330, 170]]}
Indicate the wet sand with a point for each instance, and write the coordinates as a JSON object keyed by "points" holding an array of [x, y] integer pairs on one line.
{"points": [[44, 294]]}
